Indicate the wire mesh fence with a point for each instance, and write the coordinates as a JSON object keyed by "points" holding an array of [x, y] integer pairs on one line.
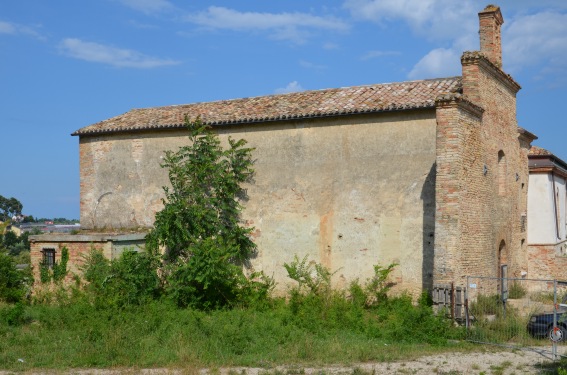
{"points": [[520, 313]]}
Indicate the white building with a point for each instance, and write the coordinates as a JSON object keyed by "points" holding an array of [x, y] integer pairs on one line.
{"points": [[547, 215]]}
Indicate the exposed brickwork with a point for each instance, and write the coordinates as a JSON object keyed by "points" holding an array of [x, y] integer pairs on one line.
{"points": [[547, 262], [77, 253], [479, 202], [490, 34]]}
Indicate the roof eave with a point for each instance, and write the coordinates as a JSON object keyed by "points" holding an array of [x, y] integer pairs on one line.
{"points": [[254, 121]]}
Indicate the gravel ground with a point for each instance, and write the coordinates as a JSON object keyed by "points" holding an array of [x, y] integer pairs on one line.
{"points": [[497, 363]]}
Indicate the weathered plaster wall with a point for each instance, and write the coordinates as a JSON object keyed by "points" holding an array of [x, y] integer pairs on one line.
{"points": [[547, 235], [349, 193], [543, 228]]}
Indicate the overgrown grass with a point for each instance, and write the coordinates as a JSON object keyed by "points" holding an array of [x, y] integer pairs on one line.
{"points": [[119, 318], [78, 335]]}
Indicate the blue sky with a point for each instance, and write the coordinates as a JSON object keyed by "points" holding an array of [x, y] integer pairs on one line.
{"points": [[65, 64]]}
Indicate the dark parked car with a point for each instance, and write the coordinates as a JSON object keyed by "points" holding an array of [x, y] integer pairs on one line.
{"points": [[541, 325]]}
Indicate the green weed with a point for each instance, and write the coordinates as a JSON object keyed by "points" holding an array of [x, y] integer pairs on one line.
{"points": [[517, 290]]}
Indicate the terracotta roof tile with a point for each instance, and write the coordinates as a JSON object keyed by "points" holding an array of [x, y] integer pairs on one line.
{"points": [[534, 150], [317, 103]]}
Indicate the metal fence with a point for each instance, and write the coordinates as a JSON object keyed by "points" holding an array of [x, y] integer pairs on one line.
{"points": [[518, 313]]}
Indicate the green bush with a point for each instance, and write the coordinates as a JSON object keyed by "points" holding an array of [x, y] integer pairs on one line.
{"points": [[366, 309], [14, 315], [14, 284], [129, 280]]}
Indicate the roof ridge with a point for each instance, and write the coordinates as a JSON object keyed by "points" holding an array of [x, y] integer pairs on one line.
{"points": [[307, 91]]}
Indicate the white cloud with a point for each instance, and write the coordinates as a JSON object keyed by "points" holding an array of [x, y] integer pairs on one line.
{"points": [[288, 26], [95, 52], [7, 28], [15, 29], [440, 62], [524, 5], [148, 6], [330, 46], [310, 65], [291, 87], [376, 54], [532, 38], [434, 19], [536, 39]]}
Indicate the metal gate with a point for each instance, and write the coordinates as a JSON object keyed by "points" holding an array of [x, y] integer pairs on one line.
{"points": [[518, 313]]}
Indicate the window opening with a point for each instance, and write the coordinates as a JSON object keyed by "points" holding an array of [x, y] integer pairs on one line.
{"points": [[48, 257]]}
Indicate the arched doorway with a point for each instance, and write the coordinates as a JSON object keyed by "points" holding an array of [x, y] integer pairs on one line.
{"points": [[502, 271]]}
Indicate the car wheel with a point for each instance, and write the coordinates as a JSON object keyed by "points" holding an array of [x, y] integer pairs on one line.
{"points": [[558, 334]]}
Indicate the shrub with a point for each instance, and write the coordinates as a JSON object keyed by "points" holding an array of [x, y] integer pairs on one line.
{"points": [[311, 277], [378, 286], [129, 280], [517, 290], [14, 315], [14, 284], [314, 305]]}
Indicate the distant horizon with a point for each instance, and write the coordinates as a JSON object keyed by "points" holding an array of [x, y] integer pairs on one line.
{"points": [[67, 65]]}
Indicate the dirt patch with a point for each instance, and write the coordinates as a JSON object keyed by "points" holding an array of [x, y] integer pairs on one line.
{"points": [[449, 363], [497, 362]]}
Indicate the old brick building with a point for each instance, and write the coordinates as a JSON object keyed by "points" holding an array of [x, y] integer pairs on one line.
{"points": [[429, 174], [547, 215]]}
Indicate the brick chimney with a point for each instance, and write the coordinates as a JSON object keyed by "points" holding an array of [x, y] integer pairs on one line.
{"points": [[490, 36]]}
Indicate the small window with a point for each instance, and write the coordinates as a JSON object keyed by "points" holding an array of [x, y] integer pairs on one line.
{"points": [[501, 173], [48, 257]]}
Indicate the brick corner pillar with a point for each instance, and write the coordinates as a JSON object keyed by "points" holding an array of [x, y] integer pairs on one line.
{"points": [[456, 116]]}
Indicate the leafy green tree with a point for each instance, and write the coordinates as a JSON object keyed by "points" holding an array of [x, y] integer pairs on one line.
{"points": [[14, 244], [10, 239], [199, 226], [29, 219], [9, 207]]}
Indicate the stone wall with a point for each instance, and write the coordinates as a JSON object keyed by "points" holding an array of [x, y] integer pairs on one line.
{"points": [[347, 192]]}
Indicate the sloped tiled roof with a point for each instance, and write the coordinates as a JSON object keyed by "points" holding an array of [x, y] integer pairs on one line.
{"points": [[534, 150], [306, 104]]}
